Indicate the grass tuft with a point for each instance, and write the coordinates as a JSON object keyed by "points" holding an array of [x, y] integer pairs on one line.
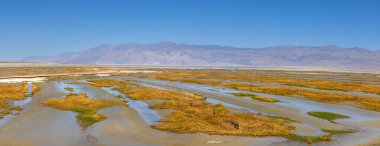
{"points": [[13, 91], [69, 89], [35, 88], [310, 139], [335, 132], [327, 115], [86, 107], [313, 139], [193, 115], [240, 81], [106, 83], [255, 97]]}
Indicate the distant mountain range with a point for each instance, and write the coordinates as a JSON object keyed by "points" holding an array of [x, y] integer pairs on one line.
{"points": [[179, 54]]}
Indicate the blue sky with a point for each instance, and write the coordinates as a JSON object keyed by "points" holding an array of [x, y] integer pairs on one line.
{"points": [[45, 27]]}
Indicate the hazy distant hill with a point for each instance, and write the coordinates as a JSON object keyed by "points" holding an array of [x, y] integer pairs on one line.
{"points": [[176, 54]]}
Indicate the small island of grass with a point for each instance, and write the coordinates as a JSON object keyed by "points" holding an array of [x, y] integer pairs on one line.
{"points": [[327, 115], [69, 89], [255, 97], [84, 106]]}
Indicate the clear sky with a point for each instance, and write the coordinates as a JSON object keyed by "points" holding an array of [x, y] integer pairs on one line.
{"points": [[45, 27]]}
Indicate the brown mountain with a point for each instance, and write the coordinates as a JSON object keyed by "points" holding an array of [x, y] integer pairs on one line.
{"points": [[178, 54]]}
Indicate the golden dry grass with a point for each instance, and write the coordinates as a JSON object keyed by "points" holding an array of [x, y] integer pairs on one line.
{"points": [[247, 76], [254, 96], [30, 71], [3, 103], [365, 102], [3, 110], [69, 89], [13, 91], [193, 115], [200, 118], [86, 107], [327, 115], [144, 93], [5, 99], [6, 108], [106, 83], [35, 88]]}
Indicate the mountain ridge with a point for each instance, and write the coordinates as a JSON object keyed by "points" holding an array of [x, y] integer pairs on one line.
{"points": [[181, 54]]}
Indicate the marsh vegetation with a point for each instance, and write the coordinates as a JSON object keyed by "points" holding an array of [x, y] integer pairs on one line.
{"points": [[327, 115], [255, 97], [192, 114], [11, 92], [84, 106], [215, 79], [250, 103]]}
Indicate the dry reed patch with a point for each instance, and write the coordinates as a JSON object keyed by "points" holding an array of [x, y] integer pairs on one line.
{"points": [[327, 115], [69, 89], [254, 96], [86, 107], [202, 117], [13, 91], [193, 115], [35, 88], [9, 93], [364, 102], [251, 77], [19, 71], [197, 116], [3, 103], [144, 93], [6, 108], [107, 83]]}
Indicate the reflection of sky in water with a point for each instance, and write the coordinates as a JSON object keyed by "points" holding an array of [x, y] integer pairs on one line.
{"points": [[62, 85], [30, 88], [150, 116], [77, 89], [316, 131], [22, 102], [6, 119]]}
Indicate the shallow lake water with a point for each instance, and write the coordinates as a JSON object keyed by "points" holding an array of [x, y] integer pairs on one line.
{"points": [[150, 116], [20, 103], [303, 129], [302, 105]]}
